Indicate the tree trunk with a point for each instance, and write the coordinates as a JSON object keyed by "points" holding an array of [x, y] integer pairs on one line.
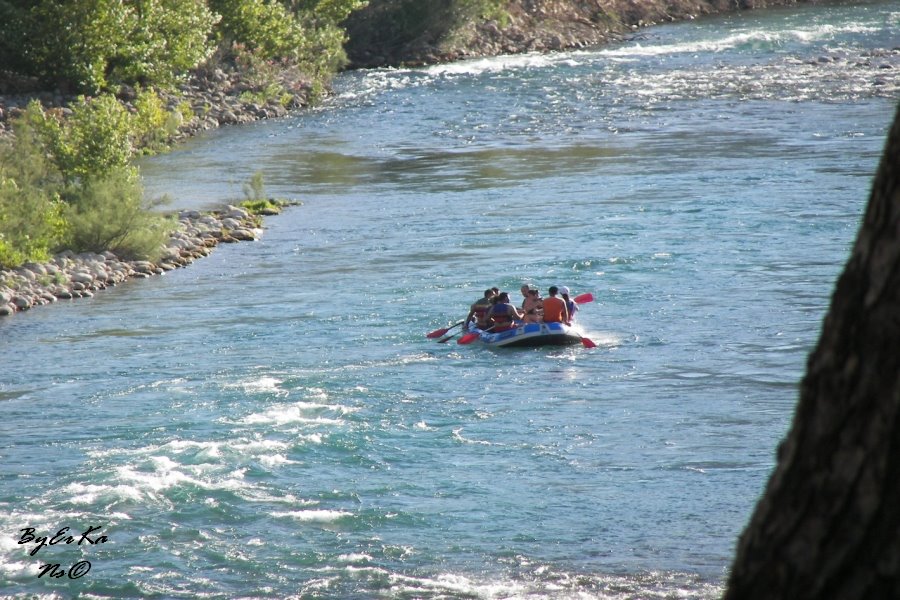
{"points": [[828, 525]]}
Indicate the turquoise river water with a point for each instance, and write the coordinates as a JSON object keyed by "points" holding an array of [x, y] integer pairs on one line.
{"points": [[271, 422]]}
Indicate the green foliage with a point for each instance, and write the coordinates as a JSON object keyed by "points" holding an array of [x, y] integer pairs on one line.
{"points": [[262, 207], [92, 45], [110, 213], [255, 189], [265, 27], [391, 27], [166, 38], [484, 10], [31, 222], [72, 41], [303, 32], [151, 123], [95, 138], [68, 184]]}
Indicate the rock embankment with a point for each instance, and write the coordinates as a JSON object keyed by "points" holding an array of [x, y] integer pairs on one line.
{"points": [[388, 33], [71, 275]]}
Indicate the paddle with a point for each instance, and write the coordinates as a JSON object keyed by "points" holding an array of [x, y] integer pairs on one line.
{"points": [[468, 338], [588, 343], [583, 298], [448, 338], [439, 332]]}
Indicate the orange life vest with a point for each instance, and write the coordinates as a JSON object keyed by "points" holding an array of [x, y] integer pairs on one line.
{"points": [[554, 310]]}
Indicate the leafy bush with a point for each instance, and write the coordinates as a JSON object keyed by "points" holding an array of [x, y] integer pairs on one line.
{"points": [[265, 27], [90, 46], [255, 189], [95, 138], [31, 222], [166, 38], [68, 184], [93, 45], [150, 122], [110, 213]]}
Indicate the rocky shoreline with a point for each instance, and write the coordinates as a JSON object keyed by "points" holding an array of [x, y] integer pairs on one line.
{"points": [[68, 275]]}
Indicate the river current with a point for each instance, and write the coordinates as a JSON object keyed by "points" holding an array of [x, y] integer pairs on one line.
{"points": [[272, 422]]}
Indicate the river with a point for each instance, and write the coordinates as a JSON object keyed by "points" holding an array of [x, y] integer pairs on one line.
{"points": [[272, 422]]}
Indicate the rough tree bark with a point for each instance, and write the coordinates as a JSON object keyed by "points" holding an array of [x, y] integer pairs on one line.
{"points": [[828, 525]]}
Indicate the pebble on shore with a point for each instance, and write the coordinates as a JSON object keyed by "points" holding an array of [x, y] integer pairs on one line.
{"points": [[69, 275]]}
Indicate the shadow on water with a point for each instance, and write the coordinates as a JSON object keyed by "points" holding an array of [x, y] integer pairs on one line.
{"points": [[432, 170]]}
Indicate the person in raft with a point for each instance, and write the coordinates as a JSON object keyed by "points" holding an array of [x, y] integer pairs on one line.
{"points": [[570, 304], [555, 310], [532, 306], [503, 315], [525, 289], [479, 310]]}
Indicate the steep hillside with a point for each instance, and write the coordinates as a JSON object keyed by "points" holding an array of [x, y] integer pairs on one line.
{"points": [[416, 32]]}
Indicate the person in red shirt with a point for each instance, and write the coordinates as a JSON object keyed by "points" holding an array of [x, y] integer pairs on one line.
{"points": [[555, 310]]}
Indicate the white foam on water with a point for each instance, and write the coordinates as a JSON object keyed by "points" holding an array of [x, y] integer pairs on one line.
{"points": [[89, 494], [544, 582], [737, 39], [262, 384], [457, 435], [492, 64], [314, 515], [357, 557], [140, 483], [299, 412], [275, 460], [285, 415]]}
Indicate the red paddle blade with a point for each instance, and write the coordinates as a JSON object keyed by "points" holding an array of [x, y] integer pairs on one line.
{"points": [[439, 332], [467, 339], [588, 343], [582, 298]]}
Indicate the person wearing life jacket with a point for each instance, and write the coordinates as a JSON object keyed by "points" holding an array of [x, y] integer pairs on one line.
{"points": [[503, 315], [570, 304], [479, 311], [555, 310]]}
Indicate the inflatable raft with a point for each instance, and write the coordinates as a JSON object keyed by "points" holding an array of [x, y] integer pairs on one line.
{"points": [[528, 334]]}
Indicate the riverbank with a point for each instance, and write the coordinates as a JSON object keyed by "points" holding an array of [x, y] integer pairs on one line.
{"points": [[218, 97], [69, 276], [381, 35]]}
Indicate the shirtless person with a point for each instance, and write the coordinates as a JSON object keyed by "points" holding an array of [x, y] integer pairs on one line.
{"points": [[479, 311]]}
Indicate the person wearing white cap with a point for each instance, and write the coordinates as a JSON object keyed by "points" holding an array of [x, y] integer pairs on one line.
{"points": [[570, 304]]}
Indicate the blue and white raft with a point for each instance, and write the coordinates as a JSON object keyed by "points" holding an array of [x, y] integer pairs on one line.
{"points": [[526, 335]]}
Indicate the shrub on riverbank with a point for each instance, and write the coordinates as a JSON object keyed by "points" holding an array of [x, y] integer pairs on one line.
{"points": [[91, 46], [65, 179], [67, 183]]}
